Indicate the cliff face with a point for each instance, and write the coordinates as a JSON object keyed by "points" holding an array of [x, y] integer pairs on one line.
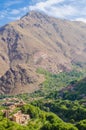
{"points": [[20, 79], [34, 41]]}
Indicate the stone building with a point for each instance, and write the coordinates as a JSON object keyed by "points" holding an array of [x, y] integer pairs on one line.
{"points": [[21, 118]]}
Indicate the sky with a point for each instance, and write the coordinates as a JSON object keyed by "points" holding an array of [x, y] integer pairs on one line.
{"points": [[11, 10]]}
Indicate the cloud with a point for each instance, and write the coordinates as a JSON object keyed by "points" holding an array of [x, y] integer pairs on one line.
{"points": [[6, 10], [81, 19], [19, 11], [3, 13], [13, 18], [43, 5], [13, 13], [67, 9]]}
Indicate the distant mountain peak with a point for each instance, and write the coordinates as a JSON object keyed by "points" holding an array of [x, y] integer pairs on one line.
{"points": [[35, 14]]}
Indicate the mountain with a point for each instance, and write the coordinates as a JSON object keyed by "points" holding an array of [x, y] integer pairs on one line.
{"points": [[38, 41]]}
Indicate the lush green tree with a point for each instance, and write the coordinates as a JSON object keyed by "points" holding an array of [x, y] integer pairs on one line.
{"points": [[81, 125]]}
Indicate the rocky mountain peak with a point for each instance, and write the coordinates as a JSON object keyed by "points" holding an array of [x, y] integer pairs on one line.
{"points": [[35, 14]]}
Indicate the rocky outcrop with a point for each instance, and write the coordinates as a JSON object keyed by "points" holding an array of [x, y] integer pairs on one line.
{"points": [[16, 78]]}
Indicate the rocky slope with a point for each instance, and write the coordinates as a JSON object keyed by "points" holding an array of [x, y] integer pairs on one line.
{"points": [[34, 41], [20, 79]]}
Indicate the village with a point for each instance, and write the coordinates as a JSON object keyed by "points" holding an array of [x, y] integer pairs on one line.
{"points": [[10, 105]]}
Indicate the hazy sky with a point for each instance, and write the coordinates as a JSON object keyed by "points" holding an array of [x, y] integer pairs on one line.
{"points": [[11, 10]]}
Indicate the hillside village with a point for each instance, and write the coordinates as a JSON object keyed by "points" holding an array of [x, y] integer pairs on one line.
{"points": [[11, 104]]}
